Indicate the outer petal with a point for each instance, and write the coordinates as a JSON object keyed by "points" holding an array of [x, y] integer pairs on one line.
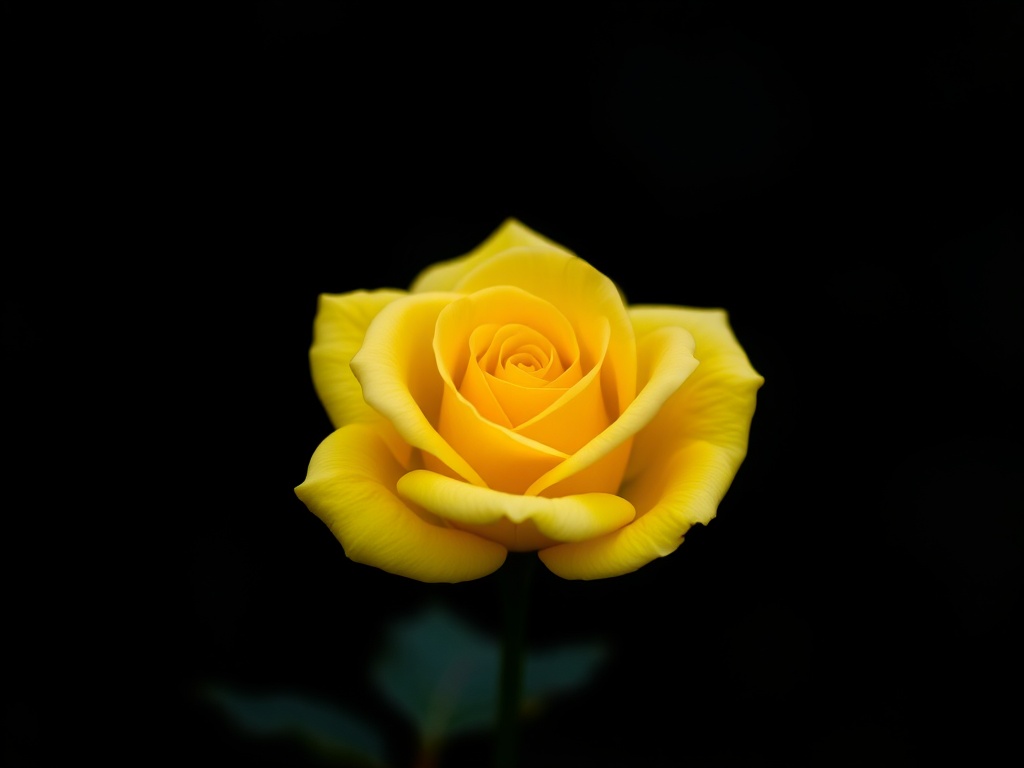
{"points": [[338, 330], [568, 518], [444, 275], [684, 461], [398, 373], [717, 401], [683, 488], [350, 485]]}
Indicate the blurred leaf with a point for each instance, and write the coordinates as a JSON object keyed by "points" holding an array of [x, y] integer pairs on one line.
{"points": [[442, 673], [561, 670], [322, 727]]}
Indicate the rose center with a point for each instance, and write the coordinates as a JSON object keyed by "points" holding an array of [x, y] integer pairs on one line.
{"points": [[518, 354], [506, 354]]}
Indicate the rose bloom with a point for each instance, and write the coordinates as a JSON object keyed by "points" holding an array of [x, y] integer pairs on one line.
{"points": [[512, 400]]}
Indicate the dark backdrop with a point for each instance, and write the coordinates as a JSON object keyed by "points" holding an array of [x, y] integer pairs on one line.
{"points": [[842, 181]]}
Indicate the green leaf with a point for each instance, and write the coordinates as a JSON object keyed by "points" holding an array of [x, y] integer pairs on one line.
{"points": [[443, 674], [321, 726], [560, 670]]}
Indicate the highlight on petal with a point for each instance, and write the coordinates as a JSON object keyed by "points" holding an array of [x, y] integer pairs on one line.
{"points": [[350, 486], [685, 458], [398, 374], [512, 233], [568, 518], [669, 353]]}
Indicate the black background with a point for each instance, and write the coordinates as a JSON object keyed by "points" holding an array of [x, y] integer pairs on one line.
{"points": [[844, 181]]}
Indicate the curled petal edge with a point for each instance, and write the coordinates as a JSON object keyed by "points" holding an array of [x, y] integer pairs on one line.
{"points": [[391, 368], [683, 491], [339, 327], [715, 404], [566, 518], [338, 330], [350, 486], [674, 489]]}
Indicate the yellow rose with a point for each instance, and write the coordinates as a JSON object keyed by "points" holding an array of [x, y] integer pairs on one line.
{"points": [[511, 400]]}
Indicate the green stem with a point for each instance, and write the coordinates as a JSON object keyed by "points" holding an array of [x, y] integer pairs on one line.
{"points": [[516, 574]]}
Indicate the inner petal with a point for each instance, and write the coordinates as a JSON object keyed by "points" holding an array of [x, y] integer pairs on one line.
{"points": [[522, 355], [522, 377], [529, 359], [509, 354], [522, 402], [584, 296]]}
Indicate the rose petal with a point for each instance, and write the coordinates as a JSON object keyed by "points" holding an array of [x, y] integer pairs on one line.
{"points": [[444, 275], [467, 332], [350, 485], [503, 459], [568, 518], [338, 329], [519, 354], [398, 375], [668, 352], [684, 487], [714, 402], [478, 424], [685, 459], [588, 300], [520, 396]]}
